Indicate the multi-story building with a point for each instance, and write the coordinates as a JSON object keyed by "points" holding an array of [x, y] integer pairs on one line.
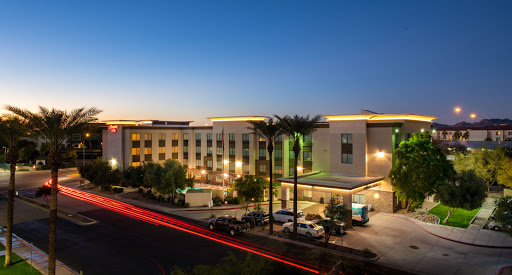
{"points": [[347, 159], [479, 133]]}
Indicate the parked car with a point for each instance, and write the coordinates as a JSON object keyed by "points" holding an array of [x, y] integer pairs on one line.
{"points": [[336, 226], [493, 225], [229, 224], [286, 215], [306, 228], [258, 217]]}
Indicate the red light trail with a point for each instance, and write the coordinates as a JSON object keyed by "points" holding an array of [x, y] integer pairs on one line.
{"points": [[160, 219]]}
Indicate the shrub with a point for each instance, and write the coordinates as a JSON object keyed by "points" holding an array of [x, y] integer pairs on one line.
{"points": [[313, 217], [119, 190], [180, 203], [187, 205], [237, 200], [212, 216], [367, 252], [229, 199], [140, 190], [217, 200], [160, 198], [105, 187]]}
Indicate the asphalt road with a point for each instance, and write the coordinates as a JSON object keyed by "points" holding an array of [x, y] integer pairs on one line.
{"points": [[31, 179]]}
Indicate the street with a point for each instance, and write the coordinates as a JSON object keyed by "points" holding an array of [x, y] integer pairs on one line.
{"points": [[31, 179]]}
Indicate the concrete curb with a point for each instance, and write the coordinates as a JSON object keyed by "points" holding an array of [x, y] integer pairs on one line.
{"points": [[59, 212]]}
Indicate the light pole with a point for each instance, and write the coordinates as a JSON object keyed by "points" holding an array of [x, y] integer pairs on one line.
{"points": [[473, 117], [457, 110]]}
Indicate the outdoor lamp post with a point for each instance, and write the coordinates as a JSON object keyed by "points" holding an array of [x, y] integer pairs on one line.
{"points": [[457, 110], [473, 117]]}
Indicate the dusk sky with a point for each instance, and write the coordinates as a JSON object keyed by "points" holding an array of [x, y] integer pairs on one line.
{"points": [[190, 60]]}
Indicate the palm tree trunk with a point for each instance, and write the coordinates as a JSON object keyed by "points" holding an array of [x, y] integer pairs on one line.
{"points": [[52, 234], [270, 193], [295, 208], [10, 215]]}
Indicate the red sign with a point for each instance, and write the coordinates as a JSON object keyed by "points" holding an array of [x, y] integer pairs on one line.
{"points": [[113, 128]]}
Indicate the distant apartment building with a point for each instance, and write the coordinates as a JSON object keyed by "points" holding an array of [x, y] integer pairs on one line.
{"points": [[481, 133], [347, 159]]}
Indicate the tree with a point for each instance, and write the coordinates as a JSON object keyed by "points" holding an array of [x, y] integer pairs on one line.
{"points": [[134, 176], [505, 172], [174, 177], [153, 172], [444, 134], [27, 150], [465, 135], [466, 191], [420, 168], [70, 157], [44, 191], [483, 161], [100, 173], [296, 127], [503, 214], [270, 131], [54, 127], [249, 189], [333, 212], [12, 129], [457, 135]]}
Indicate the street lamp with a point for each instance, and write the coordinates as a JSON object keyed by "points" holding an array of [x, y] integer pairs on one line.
{"points": [[473, 117], [457, 110]]}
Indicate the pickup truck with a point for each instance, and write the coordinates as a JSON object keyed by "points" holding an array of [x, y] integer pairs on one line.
{"points": [[259, 218], [230, 224]]}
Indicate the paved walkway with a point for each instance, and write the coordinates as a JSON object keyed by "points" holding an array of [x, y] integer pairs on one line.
{"points": [[483, 215], [33, 255]]}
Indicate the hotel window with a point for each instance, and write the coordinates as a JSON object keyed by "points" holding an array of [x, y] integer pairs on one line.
{"points": [[308, 138], [232, 166], [135, 151], [147, 140], [209, 164], [209, 150], [209, 177], [231, 151], [346, 148], [308, 194], [279, 138], [498, 139], [161, 140], [231, 137], [219, 179], [245, 137], [219, 164], [262, 153], [198, 163], [175, 149], [175, 136], [198, 149], [245, 152], [278, 169], [278, 153], [292, 171], [219, 150], [185, 149], [292, 155], [147, 151], [358, 198], [161, 150], [135, 137], [135, 164], [245, 169], [510, 133], [198, 136], [308, 156], [498, 133], [263, 168], [185, 136], [161, 136], [219, 137], [147, 137], [209, 136]]}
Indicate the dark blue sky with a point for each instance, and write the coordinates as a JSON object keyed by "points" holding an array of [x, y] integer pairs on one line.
{"points": [[189, 60]]}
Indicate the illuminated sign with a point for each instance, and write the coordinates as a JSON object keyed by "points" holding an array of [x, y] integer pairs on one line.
{"points": [[113, 128]]}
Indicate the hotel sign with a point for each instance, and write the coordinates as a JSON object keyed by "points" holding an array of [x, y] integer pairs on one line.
{"points": [[113, 128]]}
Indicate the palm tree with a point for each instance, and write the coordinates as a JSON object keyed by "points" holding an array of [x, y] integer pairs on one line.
{"points": [[270, 131], [54, 127], [12, 129], [465, 135], [444, 134], [296, 127]]}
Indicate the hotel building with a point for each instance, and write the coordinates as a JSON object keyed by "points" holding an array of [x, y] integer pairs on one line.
{"points": [[347, 159]]}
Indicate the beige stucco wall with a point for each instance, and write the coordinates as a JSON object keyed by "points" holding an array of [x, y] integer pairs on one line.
{"points": [[198, 199], [358, 130], [380, 139]]}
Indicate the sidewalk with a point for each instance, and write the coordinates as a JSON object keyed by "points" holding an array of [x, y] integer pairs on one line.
{"points": [[33, 255], [483, 215]]}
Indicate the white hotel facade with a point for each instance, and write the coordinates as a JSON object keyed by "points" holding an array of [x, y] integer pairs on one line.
{"points": [[347, 159]]}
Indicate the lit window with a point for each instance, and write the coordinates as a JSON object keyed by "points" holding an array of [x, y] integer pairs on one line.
{"points": [[346, 148], [175, 149], [161, 136], [231, 137], [198, 136], [135, 137], [175, 136], [135, 151], [147, 137], [147, 151], [161, 150], [185, 136]]}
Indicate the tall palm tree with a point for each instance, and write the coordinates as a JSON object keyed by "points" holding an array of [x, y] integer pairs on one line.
{"points": [[55, 127], [296, 127], [12, 129], [270, 131]]}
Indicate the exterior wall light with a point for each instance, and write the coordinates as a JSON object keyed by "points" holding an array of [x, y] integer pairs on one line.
{"points": [[238, 163], [422, 130], [203, 172], [396, 130], [237, 176], [376, 195], [380, 154], [225, 175], [226, 161], [299, 168]]}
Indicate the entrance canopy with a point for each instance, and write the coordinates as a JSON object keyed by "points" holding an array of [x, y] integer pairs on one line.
{"points": [[323, 181]]}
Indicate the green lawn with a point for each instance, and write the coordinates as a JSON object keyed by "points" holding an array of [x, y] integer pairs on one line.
{"points": [[2, 247], [19, 266], [456, 218]]}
